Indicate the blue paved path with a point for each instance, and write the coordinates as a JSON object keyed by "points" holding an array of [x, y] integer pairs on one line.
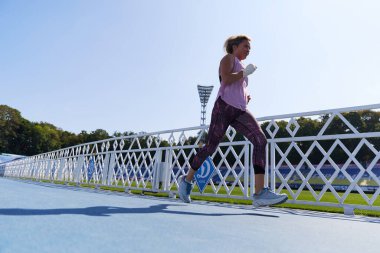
{"points": [[37, 217]]}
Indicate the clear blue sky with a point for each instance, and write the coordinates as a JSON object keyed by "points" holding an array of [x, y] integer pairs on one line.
{"points": [[134, 65]]}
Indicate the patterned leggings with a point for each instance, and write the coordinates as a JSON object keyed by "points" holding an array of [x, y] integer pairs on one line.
{"points": [[244, 122]]}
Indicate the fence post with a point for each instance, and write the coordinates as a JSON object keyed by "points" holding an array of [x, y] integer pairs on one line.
{"points": [[247, 168], [105, 169], [48, 170], [27, 168], [157, 171], [272, 166], [78, 169], [252, 171], [19, 174], [33, 168], [39, 168], [61, 168], [111, 168], [349, 210], [164, 167], [168, 161]]}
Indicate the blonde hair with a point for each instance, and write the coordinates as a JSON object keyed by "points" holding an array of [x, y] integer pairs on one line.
{"points": [[234, 41]]}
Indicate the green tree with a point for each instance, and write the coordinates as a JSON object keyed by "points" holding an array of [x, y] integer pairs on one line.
{"points": [[98, 134], [10, 121], [48, 137]]}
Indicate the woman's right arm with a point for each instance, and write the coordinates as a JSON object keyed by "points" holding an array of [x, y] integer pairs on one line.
{"points": [[226, 67]]}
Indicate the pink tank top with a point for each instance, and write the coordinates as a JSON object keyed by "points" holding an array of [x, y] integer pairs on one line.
{"points": [[235, 93]]}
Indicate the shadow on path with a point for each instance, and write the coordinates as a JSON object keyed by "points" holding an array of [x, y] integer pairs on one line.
{"points": [[109, 210], [162, 208]]}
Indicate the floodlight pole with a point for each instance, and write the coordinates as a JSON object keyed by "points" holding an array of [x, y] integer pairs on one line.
{"points": [[204, 94]]}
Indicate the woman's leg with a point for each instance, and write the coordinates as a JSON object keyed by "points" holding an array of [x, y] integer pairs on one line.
{"points": [[250, 128], [222, 115]]}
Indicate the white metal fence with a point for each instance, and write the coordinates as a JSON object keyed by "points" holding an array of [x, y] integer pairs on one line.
{"points": [[299, 163]]}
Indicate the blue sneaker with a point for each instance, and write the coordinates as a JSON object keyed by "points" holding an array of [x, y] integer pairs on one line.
{"points": [[267, 198], [184, 189]]}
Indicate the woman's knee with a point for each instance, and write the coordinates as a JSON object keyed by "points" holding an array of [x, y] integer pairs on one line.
{"points": [[201, 156], [211, 147], [258, 140], [263, 140]]}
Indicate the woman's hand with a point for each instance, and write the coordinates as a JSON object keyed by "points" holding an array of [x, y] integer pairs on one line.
{"points": [[249, 70]]}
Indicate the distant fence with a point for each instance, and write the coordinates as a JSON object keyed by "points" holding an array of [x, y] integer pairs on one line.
{"points": [[154, 161]]}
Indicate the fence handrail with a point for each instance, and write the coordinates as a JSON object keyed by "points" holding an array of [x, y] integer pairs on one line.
{"points": [[321, 112]]}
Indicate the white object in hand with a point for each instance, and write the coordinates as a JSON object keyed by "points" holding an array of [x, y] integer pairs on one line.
{"points": [[249, 70]]}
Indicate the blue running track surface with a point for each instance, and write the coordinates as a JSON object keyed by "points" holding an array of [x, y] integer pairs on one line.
{"points": [[42, 217]]}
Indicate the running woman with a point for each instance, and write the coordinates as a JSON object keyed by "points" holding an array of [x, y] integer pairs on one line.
{"points": [[230, 108]]}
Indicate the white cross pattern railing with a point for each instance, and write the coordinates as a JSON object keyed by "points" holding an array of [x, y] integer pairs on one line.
{"points": [[299, 162], [286, 173]]}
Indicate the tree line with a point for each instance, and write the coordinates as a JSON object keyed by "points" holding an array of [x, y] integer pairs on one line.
{"points": [[21, 136]]}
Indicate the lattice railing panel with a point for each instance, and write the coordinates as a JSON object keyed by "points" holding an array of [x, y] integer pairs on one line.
{"points": [[351, 171], [305, 161], [134, 169], [228, 178]]}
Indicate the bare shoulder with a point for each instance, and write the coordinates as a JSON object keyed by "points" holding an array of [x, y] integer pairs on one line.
{"points": [[227, 59], [227, 63]]}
